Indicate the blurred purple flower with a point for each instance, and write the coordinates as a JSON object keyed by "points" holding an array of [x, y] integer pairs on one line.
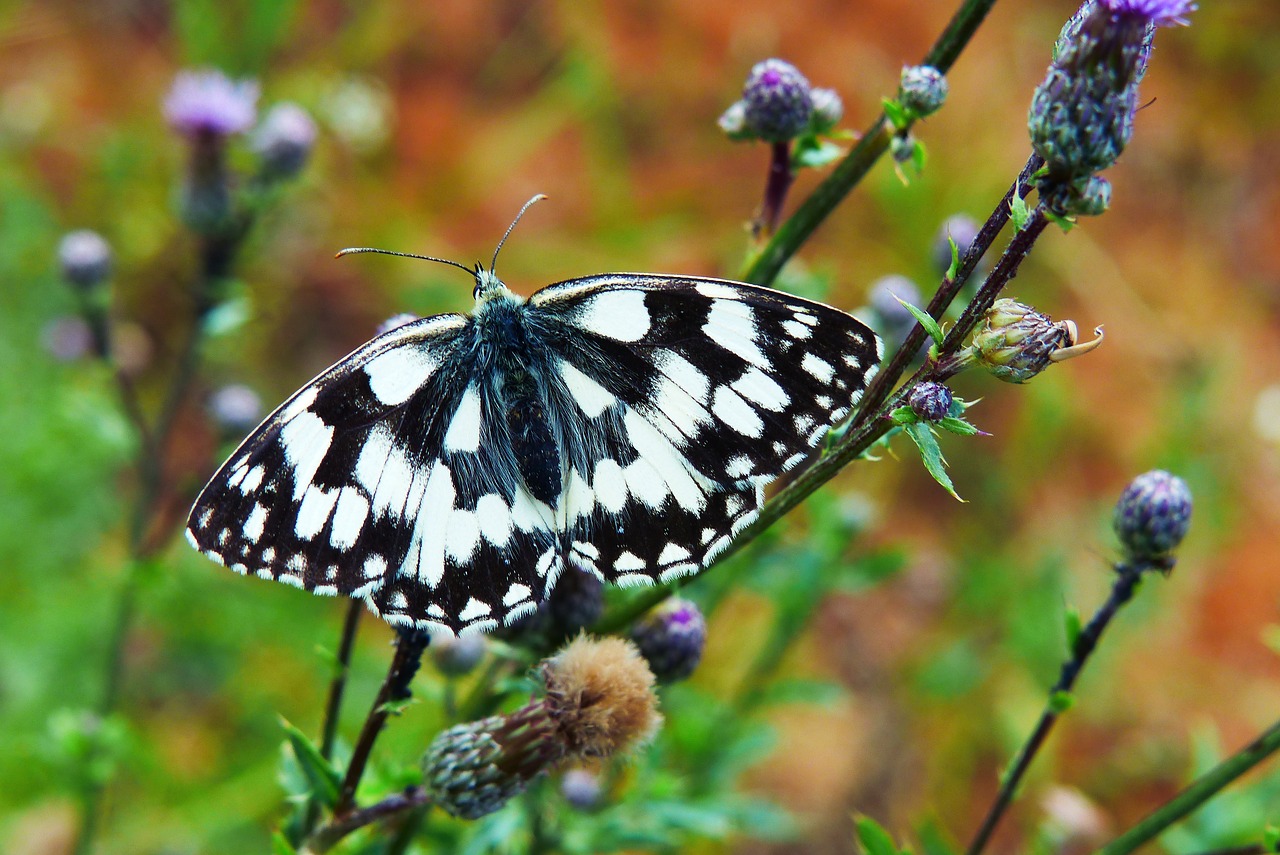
{"points": [[284, 139], [208, 103], [1162, 13]]}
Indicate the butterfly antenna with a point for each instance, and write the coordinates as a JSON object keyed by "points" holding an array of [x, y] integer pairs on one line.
{"points": [[356, 249], [507, 233]]}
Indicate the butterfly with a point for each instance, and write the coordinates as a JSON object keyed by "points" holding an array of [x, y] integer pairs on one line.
{"points": [[449, 470]]}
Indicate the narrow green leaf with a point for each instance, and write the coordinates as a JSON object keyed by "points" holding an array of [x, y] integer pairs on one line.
{"points": [[951, 424], [897, 114], [955, 258], [919, 156], [873, 838], [813, 153], [931, 455], [926, 320], [1271, 838], [1019, 212], [324, 779]]}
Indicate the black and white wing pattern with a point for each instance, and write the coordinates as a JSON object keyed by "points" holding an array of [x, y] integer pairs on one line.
{"points": [[448, 470]]}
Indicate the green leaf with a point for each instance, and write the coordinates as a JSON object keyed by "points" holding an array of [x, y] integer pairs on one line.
{"points": [[1019, 212], [926, 320], [814, 153], [873, 839], [325, 781], [931, 455], [1271, 838], [1060, 701], [918, 156], [1072, 625], [951, 424], [228, 316], [904, 416], [898, 115], [1065, 223], [934, 840], [798, 690], [280, 845], [955, 258]]}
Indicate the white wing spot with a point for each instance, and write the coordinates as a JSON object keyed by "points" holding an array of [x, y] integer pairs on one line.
{"points": [[462, 536], [732, 325], [620, 315], [395, 374], [739, 467], [494, 516], [610, 485], [313, 512], [592, 398], [515, 594], [684, 374], [628, 562], [671, 467], [300, 402], [349, 518], [644, 482], [818, 367], [426, 552], [806, 319], [464, 427], [761, 389], [795, 329], [737, 413], [256, 523], [306, 441], [579, 500], [474, 609], [375, 567], [671, 553]]}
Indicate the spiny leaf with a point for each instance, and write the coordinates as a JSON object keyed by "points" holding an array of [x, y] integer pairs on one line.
{"points": [[324, 779], [931, 455]]}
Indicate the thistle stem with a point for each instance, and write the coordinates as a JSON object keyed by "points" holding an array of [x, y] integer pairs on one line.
{"points": [[1122, 590], [328, 836], [775, 189], [410, 645]]}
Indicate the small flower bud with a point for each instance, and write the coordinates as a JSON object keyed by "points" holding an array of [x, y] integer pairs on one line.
{"points": [[930, 401], [284, 140], [778, 101], [67, 338], [902, 147], [458, 656], [960, 228], [671, 638], [576, 602], [828, 110], [599, 701], [581, 788], [235, 407], [85, 258], [208, 103], [922, 89], [1153, 514], [1091, 198], [1018, 342], [733, 122]]}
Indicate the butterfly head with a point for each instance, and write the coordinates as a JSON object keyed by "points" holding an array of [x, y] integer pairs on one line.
{"points": [[488, 286]]}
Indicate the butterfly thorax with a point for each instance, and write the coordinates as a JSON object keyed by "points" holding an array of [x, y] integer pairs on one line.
{"points": [[513, 378]]}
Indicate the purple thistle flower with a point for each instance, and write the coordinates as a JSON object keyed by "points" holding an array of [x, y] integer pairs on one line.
{"points": [[208, 103], [284, 140], [777, 101], [1161, 13]]}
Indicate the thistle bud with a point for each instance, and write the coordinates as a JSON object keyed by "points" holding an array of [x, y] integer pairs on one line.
{"points": [[733, 122], [671, 638], [1017, 342], [889, 317], [1153, 514], [85, 258], [922, 89], [828, 110], [599, 701], [930, 401], [458, 656], [582, 789], [1081, 115], [235, 408], [960, 228], [777, 101], [284, 140]]}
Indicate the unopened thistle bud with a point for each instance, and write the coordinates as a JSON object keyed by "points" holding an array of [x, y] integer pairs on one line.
{"points": [[1081, 116], [458, 656], [1017, 342], [582, 789], [599, 701], [235, 408], [930, 401], [922, 89], [85, 258], [777, 102], [828, 110], [284, 140], [1153, 514], [889, 317], [958, 228], [671, 638], [733, 122]]}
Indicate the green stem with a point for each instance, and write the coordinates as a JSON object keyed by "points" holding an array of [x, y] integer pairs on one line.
{"points": [[1204, 788], [787, 240]]}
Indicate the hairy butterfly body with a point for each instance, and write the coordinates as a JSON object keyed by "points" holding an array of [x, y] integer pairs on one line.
{"points": [[447, 471]]}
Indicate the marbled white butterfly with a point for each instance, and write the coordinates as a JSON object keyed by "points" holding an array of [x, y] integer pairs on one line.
{"points": [[448, 470]]}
